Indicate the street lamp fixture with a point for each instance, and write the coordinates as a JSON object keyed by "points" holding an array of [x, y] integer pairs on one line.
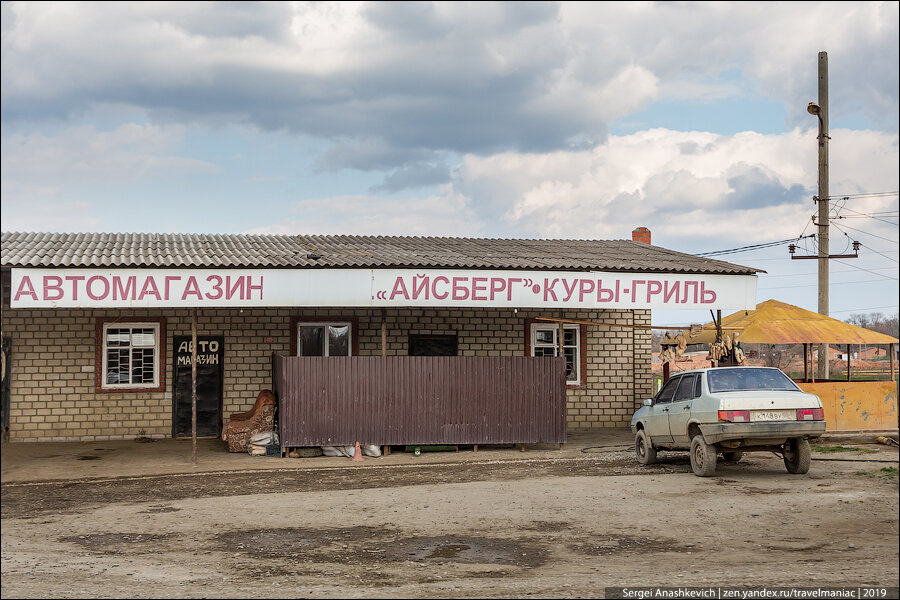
{"points": [[814, 109]]}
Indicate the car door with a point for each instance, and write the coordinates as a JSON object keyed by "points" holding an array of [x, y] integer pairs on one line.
{"points": [[657, 422], [680, 409]]}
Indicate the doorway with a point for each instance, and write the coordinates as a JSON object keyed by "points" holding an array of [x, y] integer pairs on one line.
{"points": [[210, 359]]}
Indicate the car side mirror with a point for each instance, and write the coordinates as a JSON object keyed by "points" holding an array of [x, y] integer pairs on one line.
{"points": [[648, 401]]}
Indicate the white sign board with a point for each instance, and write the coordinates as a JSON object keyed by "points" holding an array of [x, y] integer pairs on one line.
{"points": [[155, 288]]}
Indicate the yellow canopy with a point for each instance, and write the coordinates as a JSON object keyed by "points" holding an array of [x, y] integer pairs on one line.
{"points": [[775, 322]]}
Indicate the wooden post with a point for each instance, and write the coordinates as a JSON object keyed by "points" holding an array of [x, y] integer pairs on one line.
{"points": [[383, 335], [665, 372], [562, 333], [194, 386], [891, 361], [848, 362], [812, 372], [805, 362]]}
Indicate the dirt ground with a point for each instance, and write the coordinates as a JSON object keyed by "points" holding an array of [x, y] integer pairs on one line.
{"points": [[513, 526]]}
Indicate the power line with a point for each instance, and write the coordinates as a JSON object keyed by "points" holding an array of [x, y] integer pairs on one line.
{"points": [[858, 196], [767, 276], [790, 287], [861, 309], [749, 248], [867, 233], [866, 270], [879, 253], [859, 215]]}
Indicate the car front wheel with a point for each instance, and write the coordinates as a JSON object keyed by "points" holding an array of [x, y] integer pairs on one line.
{"points": [[703, 457], [643, 449], [797, 456]]}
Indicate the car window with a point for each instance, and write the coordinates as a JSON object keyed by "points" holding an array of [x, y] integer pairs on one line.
{"points": [[668, 390], [698, 390], [749, 378], [685, 389]]}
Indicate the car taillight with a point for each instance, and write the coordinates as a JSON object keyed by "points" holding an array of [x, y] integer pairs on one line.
{"points": [[735, 416], [810, 414]]}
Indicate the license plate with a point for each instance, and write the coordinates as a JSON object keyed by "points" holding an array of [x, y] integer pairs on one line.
{"points": [[773, 415]]}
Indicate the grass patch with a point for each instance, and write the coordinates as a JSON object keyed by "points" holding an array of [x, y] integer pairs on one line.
{"points": [[834, 449], [883, 472]]}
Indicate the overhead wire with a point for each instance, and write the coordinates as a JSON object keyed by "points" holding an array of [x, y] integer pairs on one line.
{"points": [[861, 309], [862, 195], [749, 248], [879, 253], [866, 233], [789, 287], [864, 269], [860, 215]]}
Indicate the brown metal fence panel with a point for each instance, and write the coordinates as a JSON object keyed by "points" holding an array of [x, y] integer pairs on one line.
{"points": [[405, 400]]}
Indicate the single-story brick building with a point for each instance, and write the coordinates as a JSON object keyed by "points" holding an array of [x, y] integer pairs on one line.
{"points": [[96, 327]]}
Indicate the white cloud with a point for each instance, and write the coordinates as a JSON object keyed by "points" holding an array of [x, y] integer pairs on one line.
{"points": [[468, 78], [64, 217], [44, 178], [446, 214], [38, 165], [689, 187]]}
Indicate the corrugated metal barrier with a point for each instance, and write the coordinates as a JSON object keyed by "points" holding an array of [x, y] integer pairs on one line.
{"points": [[402, 400], [856, 405]]}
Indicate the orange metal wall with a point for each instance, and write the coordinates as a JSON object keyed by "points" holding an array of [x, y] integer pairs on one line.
{"points": [[857, 405]]}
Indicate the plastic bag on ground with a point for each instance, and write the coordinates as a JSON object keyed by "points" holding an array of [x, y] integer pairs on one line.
{"points": [[265, 438]]}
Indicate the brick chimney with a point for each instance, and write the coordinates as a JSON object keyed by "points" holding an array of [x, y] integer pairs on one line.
{"points": [[641, 234]]}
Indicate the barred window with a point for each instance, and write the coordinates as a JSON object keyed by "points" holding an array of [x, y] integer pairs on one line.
{"points": [[130, 355], [545, 342]]}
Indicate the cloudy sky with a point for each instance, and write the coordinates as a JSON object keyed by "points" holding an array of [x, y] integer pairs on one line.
{"points": [[538, 120]]}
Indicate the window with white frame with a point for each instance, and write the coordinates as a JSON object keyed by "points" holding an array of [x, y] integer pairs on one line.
{"points": [[130, 355], [545, 342], [324, 339]]}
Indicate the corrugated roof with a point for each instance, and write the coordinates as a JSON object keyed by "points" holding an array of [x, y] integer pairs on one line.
{"points": [[346, 251], [775, 322]]}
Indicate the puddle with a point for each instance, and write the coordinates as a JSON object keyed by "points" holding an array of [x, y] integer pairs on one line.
{"points": [[469, 550], [372, 545], [89, 457], [448, 551], [298, 542]]}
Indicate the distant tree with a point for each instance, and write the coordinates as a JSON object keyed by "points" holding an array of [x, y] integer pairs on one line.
{"points": [[888, 325], [655, 336], [775, 355]]}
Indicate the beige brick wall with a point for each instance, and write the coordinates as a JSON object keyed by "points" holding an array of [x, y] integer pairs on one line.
{"points": [[53, 393]]}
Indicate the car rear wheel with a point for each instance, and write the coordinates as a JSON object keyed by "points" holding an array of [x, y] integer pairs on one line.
{"points": [[703, 457], [732, 456], [797, 456], [643, 449]]}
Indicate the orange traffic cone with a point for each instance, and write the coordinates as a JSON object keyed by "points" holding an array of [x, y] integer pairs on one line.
{"points": [[357, 453]]}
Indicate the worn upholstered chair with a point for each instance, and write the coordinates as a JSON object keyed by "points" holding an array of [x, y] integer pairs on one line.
{"points": [[243, 426]]}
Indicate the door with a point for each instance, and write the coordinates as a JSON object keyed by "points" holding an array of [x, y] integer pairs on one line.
{"points": [[657, 424], [680, 411], [7, 367], [210, 358]]}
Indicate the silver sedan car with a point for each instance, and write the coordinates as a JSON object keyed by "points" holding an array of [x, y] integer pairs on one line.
{"points": [[729, 411]]}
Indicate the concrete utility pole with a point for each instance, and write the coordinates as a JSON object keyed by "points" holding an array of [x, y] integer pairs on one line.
{"points": [[821, 111]]}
